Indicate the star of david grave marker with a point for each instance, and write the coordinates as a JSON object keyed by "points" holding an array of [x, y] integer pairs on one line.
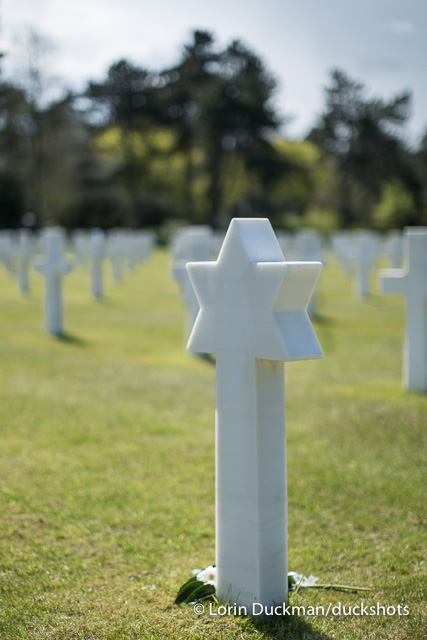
{"points": [[253, 316]]}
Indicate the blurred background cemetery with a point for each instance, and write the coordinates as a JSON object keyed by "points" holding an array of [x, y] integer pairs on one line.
{"points": [[167, 158], [200, 142], [108, 478]]}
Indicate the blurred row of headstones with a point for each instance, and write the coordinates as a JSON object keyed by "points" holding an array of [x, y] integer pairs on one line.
{"points": [[53, 254], [124, 250], [359, 253]]}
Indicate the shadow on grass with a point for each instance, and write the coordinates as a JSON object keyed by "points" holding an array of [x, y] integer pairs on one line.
{"points": [[322, 320], [324, 325], [103, 301], [373, 300], [287, 627], [206, 357], [69, 338]]}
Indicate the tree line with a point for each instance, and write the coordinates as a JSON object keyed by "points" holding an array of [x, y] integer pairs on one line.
{"points": [[202, 142]]}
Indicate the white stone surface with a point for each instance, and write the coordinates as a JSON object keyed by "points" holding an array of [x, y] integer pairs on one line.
{"points": [[24, 253], [342, 245], [286, 239], [97, 255], [309, 246], [6, 250], [116, 249], [253, 316], [81, 243], [411, 281], [193, 243], [394, 248], [53, 267], [365, 256]]}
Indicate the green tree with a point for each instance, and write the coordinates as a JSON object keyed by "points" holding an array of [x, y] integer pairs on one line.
{"points": [[238, 119], [36, 80], [16, 126], [220, 101], [396, 207], [127, 99], [11, 201], [363, 135], [182, 100], [305, 187]]}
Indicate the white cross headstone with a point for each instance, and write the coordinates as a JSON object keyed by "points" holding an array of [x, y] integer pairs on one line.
{"points": [[97, 255], [342, 245], [147, 243], [81, 244], [394, 248], [53, 266], [253, 316], [194, 243], [6, 250], [309, 246], [25, 251], [115, 250], [411, 281], [366, 256]]}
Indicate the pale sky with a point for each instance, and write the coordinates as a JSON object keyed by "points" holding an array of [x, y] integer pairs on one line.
{"points": [[382, 43]]}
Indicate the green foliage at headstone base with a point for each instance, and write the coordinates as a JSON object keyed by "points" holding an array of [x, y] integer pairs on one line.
{"points": [[193, 591], [107, 467]]}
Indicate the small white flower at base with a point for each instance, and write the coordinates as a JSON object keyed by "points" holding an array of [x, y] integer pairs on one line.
{"points": [[302, 581], [208, 575]]}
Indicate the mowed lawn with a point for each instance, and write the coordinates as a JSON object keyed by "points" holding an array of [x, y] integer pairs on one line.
{"points": [[107, 467]]}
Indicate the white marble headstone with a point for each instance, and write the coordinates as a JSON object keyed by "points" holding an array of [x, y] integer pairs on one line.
{"points": [[394, 248], [53, 266], [365, 257], [97, 255], [342, 245], [24, 254], [253, 316], [411, 281], [308, 246], [194, 243], [116, 247], [6, 250]]}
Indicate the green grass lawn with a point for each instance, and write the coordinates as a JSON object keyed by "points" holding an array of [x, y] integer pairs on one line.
{"points": [[107, 467]]}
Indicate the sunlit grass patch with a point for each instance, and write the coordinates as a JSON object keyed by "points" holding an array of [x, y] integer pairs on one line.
{"points": [[107, 466]]}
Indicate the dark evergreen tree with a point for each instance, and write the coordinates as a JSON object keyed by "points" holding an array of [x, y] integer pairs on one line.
{"points": [[220, 102], [183, 98], [128, 99], [238, 118], [364, 137], [16, 126]]}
